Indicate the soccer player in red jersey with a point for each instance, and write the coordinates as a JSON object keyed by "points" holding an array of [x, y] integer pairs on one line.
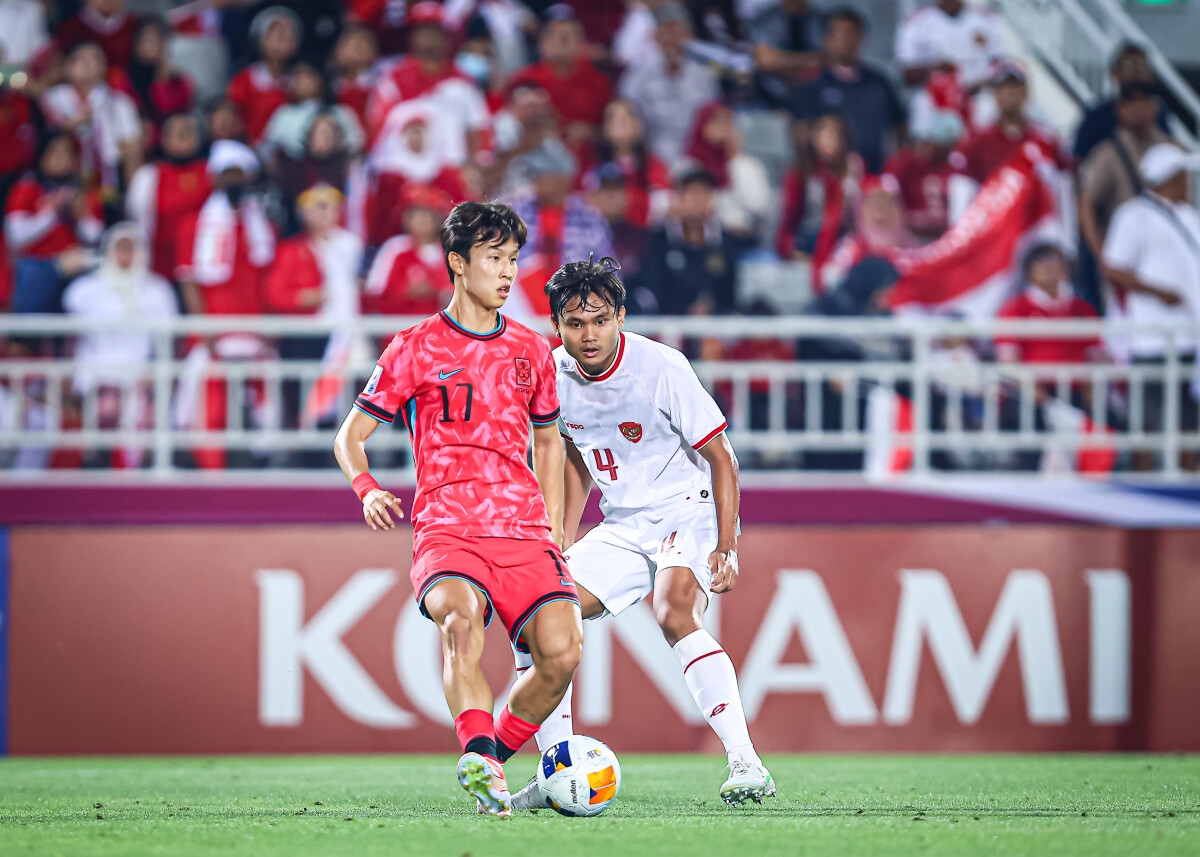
{"points": [[468, 383]]}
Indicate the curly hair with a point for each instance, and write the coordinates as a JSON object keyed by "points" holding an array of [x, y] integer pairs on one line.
{"points": [[582, 280]]}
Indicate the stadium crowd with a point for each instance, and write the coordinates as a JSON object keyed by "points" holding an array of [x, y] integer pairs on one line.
{"points": [[137, 182]]}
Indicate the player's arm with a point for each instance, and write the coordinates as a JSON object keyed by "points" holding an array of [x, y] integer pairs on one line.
{"points": [[548, 467], [350, 449], [727, 495], [577, 484]]}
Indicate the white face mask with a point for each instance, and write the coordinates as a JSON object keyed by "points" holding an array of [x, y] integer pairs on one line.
{"points": [[474, 66]]}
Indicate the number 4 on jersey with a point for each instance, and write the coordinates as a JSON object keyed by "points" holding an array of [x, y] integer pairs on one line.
{"points": [[607, 463]]}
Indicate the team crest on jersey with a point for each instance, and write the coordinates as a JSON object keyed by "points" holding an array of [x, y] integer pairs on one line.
{"points": [[632, 431], [524, 371]]}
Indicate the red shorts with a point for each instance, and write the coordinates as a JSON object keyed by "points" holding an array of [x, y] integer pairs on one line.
{"points": [[517, 576]]}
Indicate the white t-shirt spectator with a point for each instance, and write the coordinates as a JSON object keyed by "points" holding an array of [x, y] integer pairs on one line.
{"points": [[970, 40], [114, 121], [22, 31], [668, 102], [1159, 242]]}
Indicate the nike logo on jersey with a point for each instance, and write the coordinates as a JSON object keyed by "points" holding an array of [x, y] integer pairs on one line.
{"points": [[443, 375]]}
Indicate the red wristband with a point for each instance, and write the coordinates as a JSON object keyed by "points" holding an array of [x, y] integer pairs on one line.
{"points": [[364, 484]]}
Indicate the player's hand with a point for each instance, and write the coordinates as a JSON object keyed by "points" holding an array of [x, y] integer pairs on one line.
{"points": [[375, 509], [724, 566]]}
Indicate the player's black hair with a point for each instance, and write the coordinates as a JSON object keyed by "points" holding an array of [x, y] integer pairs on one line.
{"points": [[582, 280], [473, 223]]}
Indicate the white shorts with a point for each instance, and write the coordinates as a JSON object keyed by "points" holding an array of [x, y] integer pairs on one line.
{"points": [[617, 560]]}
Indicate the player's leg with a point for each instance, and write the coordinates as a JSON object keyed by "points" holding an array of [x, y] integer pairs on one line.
{"points": [[451, 582], [681, 593]]}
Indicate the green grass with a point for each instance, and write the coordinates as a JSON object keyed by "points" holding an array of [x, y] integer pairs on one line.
{"points": [[409, 805]]}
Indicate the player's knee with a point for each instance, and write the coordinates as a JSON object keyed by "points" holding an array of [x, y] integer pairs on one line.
{"points": [[458, 632], [676, 621], [558, 665]]}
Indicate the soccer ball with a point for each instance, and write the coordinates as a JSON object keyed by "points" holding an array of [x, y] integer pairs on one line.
{"points": [[580, 776]]}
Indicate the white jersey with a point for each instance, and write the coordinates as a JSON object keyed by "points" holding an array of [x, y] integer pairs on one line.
{"points": [[970, 40], [639, 425]]}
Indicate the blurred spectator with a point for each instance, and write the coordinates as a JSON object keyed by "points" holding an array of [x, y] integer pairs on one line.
{"points": [[101, 22], [476, 59], [923, 172], [787, 47], [288, 129], [743, 196], [316, 271], [526, 121], [610, 194], [819, 195], [1046, 293], [103, 120], [411, 149], [577, 91], [258, 90], [690, 265], [224, 250], [879, 229], [987, 149], [354, 69], [224, 122], [17, 130], [224, 254], [671, 89], [319, 25], [168, 190], [622, 144], [1151, 255], [507, 22], [112, 363], [563, 226], [863, 97], [408, 275], [23, 31], [634, 41], [1130, 65], [949, 36], [161, 90], [325, 159], [427, 74], [1109, 177], [49, 215]]}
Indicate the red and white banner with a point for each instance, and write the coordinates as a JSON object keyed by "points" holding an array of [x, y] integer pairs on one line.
{"points": [[969, 270], [212, 639]]}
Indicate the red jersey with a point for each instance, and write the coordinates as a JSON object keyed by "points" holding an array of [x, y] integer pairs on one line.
{"points": [[114, 35], [161, 196], [38, 231], [243, 292], [18, 132], [468, 400], [923, 190], [405, 80], [256, 93], [1035, 303], [988, 149], [407, 280], [580, 96], [296, 269]]}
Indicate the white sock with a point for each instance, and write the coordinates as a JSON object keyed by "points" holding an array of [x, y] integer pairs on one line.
{"points": [[559, 726], [710, 677]]}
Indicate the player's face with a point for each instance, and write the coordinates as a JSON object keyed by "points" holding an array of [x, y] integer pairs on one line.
{"points": [[591, 333], [489, 274]]}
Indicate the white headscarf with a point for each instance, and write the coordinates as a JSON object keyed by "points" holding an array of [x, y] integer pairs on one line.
{"points": [[124, 281]]}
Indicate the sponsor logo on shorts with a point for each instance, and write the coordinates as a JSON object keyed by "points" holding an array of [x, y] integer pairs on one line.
{"points": [[632, 431]]}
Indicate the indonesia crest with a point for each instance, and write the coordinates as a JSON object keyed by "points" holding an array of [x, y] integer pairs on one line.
{"points": [[632, 431]]}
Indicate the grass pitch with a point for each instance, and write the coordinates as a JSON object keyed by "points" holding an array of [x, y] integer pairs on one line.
{"points": [[412, 805]]}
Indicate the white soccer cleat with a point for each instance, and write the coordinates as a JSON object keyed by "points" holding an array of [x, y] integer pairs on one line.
{"points": [[484, 780], [747, 781], [530, 797]]}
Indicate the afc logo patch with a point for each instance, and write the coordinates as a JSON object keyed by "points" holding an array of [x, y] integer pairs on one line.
{"points": [[632, 431], [524, 371]]}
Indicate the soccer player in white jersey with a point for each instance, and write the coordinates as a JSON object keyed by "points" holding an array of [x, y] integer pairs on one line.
{"points": [[638, 423]]}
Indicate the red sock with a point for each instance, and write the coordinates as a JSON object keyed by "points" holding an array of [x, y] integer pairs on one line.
{"points": [[512, 731], [476, 732]]}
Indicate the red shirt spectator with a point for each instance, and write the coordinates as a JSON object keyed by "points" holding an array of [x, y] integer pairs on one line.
{"points": [[1047, 295], [578, 92], [260, 89], [622, 145], [159, 89], [43, 219], [106, 23], [354, 59], [408, 276], [164, 193], [294, 277], [16, 130]]}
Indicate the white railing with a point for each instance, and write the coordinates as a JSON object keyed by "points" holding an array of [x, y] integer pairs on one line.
{"points": [[1075, 39], [837, 407]]}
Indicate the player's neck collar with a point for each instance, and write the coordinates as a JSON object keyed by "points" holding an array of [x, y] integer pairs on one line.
{"points": [[492, 334], [607, 373]]}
